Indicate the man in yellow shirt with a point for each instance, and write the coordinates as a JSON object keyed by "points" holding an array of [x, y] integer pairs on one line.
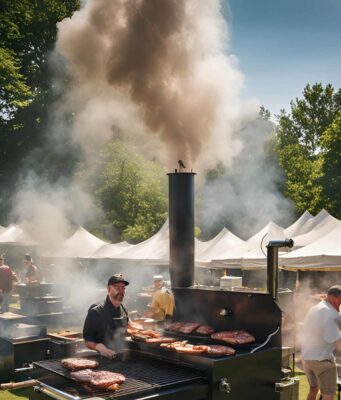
{"points": [[162, 303]]}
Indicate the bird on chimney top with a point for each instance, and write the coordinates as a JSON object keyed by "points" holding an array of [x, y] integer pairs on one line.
{"points": [[181, 165]]}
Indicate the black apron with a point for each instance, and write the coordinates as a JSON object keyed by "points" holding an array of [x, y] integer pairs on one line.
{"points": [[116, 331]]}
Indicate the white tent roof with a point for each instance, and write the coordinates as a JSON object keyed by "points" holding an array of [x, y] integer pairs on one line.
{"points": [[80, 245], [297, 228], [154, 248], [324, 253], [201, 246], [325, 224], [110, 250], [221, 243], [14, 234], [256, 245]]}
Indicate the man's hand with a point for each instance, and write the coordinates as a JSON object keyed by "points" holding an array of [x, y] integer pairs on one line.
{"points": [[104, 351]]}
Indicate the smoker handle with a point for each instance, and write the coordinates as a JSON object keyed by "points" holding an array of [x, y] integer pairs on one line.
{"points": [[18, 385], [266, 341], [54, 393], [279, 386]]}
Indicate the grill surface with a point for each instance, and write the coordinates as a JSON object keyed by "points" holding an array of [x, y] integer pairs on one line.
{"points": [[142, 375]]}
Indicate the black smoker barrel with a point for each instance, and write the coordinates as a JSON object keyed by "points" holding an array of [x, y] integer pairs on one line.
{"points": [[272, 264], [181, 228]]}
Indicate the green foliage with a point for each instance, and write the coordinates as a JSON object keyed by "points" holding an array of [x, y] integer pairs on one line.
{"points": [[132, 191], [14, 93], [28, 30], [299, 144], [331, 167]]}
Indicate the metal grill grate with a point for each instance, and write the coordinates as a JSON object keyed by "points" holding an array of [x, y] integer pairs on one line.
{"points": [[142, 374]]}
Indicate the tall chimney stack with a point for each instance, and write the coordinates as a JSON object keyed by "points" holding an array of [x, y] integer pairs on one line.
{"points": [[181, 228]]}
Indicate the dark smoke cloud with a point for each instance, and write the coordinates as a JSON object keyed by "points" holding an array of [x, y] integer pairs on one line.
{"points": [[156, 66]]}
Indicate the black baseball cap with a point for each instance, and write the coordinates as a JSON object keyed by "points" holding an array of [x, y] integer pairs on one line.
{"points": [[334, 290], [117, 278]]}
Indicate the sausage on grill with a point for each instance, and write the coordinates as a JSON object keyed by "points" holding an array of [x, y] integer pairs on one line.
{"points": [[74, 364], [217, 350], [159, 340], [191, 349]]}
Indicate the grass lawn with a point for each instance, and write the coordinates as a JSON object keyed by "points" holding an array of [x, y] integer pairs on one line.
{"points": [[304, 386]]}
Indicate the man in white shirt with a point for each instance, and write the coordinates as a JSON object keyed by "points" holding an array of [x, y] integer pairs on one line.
{"points": [[319, 337]]}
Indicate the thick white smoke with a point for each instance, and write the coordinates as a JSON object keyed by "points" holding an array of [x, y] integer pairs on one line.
{"points": [[153, 67]]}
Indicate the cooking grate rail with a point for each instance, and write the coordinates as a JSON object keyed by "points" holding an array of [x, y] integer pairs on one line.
{"points": [[142, 375]]}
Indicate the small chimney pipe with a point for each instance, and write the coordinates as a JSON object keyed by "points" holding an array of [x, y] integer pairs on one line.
{"points": [[272, 264], [181, 228]]}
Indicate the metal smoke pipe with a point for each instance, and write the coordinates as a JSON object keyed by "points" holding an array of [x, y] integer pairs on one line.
{"points": [[272, 264], [181, 228]]}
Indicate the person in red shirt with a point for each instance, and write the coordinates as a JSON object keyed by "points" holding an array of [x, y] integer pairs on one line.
{"points": [[7, 278]]}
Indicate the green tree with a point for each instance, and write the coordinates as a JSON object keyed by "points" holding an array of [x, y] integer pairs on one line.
{"points": [[299, 144], [28, 30], [14, 93], [132, 192], [331, 167]]}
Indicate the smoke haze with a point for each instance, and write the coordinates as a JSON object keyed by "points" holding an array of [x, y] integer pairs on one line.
{"points": [[159, 65], [246, 195], [156, 73]]}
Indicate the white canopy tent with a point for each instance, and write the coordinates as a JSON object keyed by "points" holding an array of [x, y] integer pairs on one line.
{"points": [[80, 245], [224, 241], [14, 234], [297, 228], [201, 246], [322, 254], [251, 253], [154, 248], [110, 250], [325, 224]]}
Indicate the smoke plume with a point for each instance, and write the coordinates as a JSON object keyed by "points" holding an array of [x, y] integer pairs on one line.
{"points": [[154, 67], [246, 196]]}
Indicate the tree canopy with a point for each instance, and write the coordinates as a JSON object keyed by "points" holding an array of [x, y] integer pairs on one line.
{"points": [[28, 30], [301, 149], [131, 191]]}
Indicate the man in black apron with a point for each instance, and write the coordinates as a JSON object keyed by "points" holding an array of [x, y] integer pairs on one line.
{"points": [[106, 324]]}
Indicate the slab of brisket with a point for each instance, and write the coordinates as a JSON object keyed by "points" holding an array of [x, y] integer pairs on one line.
{"points": [[234, 337], [74, 364]]}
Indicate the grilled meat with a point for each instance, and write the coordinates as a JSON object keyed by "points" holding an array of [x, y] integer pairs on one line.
{"points": [[99, 379], [188, 327], [234, 337], [161, 339], [150, 333], [139, 337], [174, 326], [182, 327], [174, 345], [106, 379], [75, 364], [204, 330], [83, 375], [191, 349], [217, 350]]}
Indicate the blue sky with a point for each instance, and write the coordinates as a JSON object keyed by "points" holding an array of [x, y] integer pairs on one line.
{"points": [[282, 45]]}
